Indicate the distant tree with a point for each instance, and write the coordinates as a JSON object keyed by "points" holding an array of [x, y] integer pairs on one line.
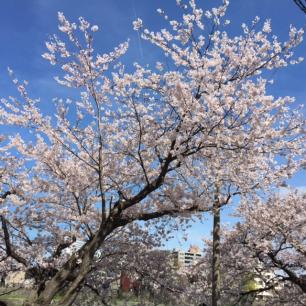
{"points": [[263, 256], [270, 243], [275, 231]]}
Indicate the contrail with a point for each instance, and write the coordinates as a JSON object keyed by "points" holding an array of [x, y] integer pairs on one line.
{"points": [[138, 35]]}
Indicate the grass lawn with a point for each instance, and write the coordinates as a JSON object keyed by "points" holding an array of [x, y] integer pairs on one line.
{"points": [[12, 300], [17, 297]]}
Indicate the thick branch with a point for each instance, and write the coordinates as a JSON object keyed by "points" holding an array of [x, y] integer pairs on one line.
{"points": [[8, 245], [301, 4]]}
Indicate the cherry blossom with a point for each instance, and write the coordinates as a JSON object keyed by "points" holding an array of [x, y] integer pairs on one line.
{"points": [[142, 144]]}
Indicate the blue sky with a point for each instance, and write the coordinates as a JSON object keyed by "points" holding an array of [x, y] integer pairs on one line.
{"points": [[25, 25]]}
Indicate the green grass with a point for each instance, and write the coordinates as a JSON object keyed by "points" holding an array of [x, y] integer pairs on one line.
{"points": [[16, 298], [12, 301]]}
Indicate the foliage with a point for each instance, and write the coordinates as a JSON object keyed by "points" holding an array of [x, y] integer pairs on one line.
{"points": [[140, 144]]}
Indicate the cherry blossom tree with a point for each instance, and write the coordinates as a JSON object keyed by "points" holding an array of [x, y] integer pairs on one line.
{"points": [[249, 165], [151, 275], [127, 252], [270, 243], [263, 256], [275, 232], [12, 174], [139, 144]]}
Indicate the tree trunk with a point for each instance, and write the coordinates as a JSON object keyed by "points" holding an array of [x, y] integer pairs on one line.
{"points": [[70, 299], [74, 271], [216, 256], [75, 285]]}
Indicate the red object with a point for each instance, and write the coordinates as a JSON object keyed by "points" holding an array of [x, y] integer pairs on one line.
{"points": [[126, 283]]}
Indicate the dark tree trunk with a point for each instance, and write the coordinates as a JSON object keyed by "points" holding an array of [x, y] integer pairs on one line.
{"points": [[216, 256]]}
